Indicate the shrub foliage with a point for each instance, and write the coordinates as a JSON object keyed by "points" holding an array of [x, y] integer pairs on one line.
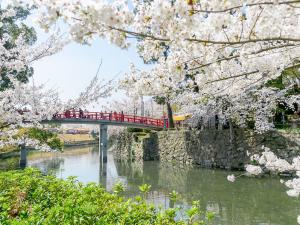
{"points": [[29, 197]]}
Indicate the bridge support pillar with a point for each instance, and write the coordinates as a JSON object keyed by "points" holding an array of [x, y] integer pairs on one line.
{"points": [[23, 157], [103, 143]]}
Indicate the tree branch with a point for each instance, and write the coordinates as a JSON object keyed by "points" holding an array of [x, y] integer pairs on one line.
{"points": [[256, 20], [249, 5], [237, 56], [207, 41], [231, 77], [4, 125]]}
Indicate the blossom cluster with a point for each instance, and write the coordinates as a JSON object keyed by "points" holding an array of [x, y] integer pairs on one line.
{"points": [[267, 161]]}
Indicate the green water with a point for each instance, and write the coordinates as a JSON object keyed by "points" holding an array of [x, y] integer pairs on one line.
{"points": [[248, 201]]}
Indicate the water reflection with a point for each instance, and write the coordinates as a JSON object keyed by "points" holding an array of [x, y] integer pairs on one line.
{"points": [[247, 201]]}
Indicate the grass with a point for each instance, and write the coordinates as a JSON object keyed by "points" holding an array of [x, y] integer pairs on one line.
{"points": [[9, 148], [75, 137], [289, 130]]}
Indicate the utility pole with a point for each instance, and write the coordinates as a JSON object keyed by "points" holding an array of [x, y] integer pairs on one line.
{"points": [[134, 108], [142, 107], [152, 107]]}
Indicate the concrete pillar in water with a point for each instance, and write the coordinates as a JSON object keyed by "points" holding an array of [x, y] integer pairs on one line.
{"points": [[103, 143], [23, 156]]}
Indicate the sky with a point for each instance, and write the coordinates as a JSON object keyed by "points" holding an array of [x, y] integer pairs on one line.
{"points": [[71, 70]]}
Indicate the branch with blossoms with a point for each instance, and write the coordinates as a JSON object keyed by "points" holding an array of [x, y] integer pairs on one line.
{"points": [[122, 19], [227, 42], [230, 9], [26, 106], [246, 54], [155, 21]]}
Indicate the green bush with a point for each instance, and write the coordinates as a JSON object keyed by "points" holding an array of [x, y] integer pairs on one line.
{"points": [[39, 134], [28, 197], [147, 131], [55, 143], [134, 130], [47, 137]]}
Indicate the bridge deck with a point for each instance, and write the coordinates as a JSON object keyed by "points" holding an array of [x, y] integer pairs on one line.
{"points": [[114, 119]]}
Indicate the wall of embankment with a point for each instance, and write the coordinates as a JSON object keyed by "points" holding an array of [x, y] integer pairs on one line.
{"points": [[207, 148]]}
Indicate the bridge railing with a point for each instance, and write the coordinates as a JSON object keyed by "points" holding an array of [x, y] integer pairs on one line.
{"points": [[118, 117]]}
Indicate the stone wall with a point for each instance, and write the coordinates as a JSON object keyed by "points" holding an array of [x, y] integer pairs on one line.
{"points": [[207, 148], [123, 146], [136, 147]]}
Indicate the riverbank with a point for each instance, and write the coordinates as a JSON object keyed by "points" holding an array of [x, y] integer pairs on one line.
{"points": [[11, 153], [71, 140], [207, 148]]}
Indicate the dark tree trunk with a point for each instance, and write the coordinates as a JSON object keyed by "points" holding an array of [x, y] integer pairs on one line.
{"points": [[170, 115]]}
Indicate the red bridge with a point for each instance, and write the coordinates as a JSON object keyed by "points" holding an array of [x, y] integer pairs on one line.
{"points": [[113, 118]]}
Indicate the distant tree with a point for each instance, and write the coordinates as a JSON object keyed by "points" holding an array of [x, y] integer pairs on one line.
{"points": [[288, 80], [13, 26], [45, 137]]}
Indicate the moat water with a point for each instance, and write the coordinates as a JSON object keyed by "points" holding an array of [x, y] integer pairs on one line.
{"points": [[248, 201]]}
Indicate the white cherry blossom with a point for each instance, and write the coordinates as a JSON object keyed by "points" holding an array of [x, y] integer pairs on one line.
{"points": [[253, 170], [231, 178]]}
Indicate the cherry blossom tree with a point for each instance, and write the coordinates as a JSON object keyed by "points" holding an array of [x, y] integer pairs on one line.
{"points": [[222, 49], [24, 104]]}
